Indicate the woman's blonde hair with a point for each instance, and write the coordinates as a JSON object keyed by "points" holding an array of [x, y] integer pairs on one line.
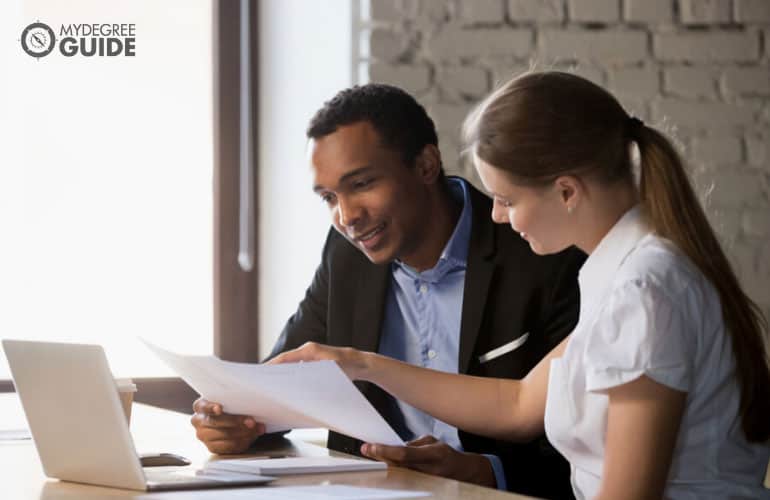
{"points": [[543, 125]]}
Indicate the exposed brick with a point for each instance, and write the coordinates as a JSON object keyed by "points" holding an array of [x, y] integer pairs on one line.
{"points": [[461, 81], [707, 46], [756, 221], [384, 11], [690, 81], [634, 82], [704, 11], [415, 79], [757, 149], [605, 47], [702, 115], [752, 11], [593, 11], [718, 150], [542, 11], [648, 11], [386, 45], [453, 42], [482, 11], [747, 80]]}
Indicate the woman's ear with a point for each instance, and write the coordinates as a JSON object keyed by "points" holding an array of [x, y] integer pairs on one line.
{"points": [[570, 191], [428, 164]]}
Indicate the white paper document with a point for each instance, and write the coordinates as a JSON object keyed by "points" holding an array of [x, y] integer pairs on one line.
{"points": [[286, 396], [316, 492], [293, 465]]}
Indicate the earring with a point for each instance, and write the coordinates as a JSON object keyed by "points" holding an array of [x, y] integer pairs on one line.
{"points": [[570, 208]]}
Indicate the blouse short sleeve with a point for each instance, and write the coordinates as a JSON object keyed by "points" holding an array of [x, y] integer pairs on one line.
{"points": [[640, 330]]}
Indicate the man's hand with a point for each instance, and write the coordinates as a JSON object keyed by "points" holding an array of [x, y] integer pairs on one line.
{"points": [[429, 455], [223, 433]]}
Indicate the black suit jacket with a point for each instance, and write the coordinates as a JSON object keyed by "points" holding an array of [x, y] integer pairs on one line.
{"points": [[509, 291]]}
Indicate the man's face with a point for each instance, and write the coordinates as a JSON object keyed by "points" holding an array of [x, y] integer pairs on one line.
{"points": [[376, 201]]}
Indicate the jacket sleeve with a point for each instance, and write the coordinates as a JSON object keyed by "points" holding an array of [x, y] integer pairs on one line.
{"points": [[308, 323]]}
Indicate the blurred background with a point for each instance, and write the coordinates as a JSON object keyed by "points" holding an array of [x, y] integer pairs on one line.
{"points": [[109, 166]]}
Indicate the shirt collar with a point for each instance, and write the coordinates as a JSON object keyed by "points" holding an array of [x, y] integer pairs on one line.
{"points": [[597, 272], [455, 253]]}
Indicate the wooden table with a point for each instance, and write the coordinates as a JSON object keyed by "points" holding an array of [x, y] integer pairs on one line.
{"points": [[155, 430]]}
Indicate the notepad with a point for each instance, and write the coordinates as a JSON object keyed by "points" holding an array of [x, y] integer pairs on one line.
{"points": [[293, 465]]}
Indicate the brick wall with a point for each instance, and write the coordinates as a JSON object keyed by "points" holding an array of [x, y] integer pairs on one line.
{"points": [[699, 68]]}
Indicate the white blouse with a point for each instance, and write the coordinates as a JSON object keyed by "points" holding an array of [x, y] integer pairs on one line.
{"points": [[647, 310]]}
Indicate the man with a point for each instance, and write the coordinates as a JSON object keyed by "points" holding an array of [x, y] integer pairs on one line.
{"points": [[414, 268]]}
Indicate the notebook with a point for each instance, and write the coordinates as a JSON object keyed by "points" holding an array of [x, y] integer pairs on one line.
{"points": [[294, 465]]}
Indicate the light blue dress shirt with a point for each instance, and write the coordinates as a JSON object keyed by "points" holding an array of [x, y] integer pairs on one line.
{"points": [[422, 324]]}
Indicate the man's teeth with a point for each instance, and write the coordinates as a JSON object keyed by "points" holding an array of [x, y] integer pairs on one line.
{"points": [[371, 234]]}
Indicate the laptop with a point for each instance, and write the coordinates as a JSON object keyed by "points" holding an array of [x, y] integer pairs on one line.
{"points": [[77, 422]]}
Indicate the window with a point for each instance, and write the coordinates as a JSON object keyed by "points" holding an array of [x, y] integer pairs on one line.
{"points": [[106, 172]]}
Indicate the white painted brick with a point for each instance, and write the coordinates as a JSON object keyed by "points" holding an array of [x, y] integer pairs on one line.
{"points": [[648, 11], [707, 46], [449, 119], [434, 10], [702, 115], [752, 11], [414, 79], [462, 81], [747, 80], [635, 107], [541, 11], [690, 81], [482, 11], [734, 188], [634, 82], [726, 222], [756, 221], [589, 71], [717, 150], [386, 45], [704, 11], [453, 42], [757, 151], [504, 70], [605, 47], [593, 11], [384, 10]]}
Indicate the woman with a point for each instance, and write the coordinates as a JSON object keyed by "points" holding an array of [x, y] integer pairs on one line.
{"points": [[663, 387]]}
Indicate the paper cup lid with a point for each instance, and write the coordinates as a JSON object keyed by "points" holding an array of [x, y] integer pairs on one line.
{"points": [[125, 385]]}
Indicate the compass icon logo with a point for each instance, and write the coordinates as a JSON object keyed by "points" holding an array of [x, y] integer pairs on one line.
{"points": [[38, 39]]}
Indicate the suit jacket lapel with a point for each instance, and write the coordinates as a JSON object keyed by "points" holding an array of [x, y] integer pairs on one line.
{"points": [[478, 275]]}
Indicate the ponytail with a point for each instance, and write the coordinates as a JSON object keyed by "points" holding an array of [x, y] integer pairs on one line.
{"points": [[673, 208]]}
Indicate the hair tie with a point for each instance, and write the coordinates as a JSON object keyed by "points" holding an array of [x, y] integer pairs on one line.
{"points": [[633, 124]]}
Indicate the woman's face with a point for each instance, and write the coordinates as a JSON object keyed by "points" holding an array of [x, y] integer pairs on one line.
{"points": [[539, 215]]}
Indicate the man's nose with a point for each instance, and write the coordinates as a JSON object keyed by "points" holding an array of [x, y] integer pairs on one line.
{"points": [[348, 212]]}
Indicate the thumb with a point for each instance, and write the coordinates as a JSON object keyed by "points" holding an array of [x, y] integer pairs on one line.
{"points": [[422, 441]]}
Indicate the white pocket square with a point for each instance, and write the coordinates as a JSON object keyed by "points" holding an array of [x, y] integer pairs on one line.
{"points": [[504, 349]]}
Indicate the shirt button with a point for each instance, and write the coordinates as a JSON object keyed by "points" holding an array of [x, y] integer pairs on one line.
{"points": [[432, 354], [423, 288]]}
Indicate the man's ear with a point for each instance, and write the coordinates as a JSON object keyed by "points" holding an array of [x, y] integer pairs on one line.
{"points": [[428, 164]]}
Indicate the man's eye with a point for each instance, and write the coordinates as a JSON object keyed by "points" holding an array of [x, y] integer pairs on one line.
{"points": [[361, 183], [327, 198]]}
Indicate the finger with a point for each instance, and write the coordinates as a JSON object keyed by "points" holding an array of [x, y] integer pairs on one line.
{"points": [[395, 455], [422, 441], [307, 352], [228, 446], [208, 434], [208, 407], [227, 421]]}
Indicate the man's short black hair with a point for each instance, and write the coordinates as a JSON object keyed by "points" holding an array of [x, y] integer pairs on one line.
{"points": [[401, 122]]}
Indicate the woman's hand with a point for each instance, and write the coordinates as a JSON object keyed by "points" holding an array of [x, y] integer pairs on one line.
{"points": [[352, 361]]}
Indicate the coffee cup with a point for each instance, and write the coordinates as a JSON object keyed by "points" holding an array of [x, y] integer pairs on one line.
{"points": [[126, 390]]}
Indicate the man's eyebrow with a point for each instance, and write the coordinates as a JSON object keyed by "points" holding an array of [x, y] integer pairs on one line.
{"points": [[360, 170]]}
